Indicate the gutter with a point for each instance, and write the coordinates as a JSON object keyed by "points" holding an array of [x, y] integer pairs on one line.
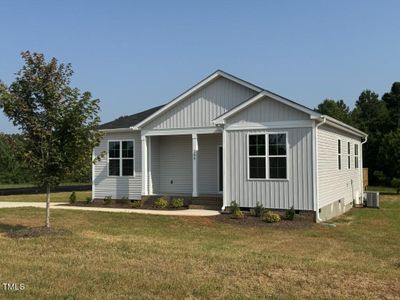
{"points": [[317, 218]]}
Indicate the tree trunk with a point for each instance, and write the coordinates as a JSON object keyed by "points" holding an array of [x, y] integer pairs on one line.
{"points": [[48, 207]]}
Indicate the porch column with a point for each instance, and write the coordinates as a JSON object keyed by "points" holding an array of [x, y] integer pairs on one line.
{"points": [[144, 167], [150, 177], [195, 149]]}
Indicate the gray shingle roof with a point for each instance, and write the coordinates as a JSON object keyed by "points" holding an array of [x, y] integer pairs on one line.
{"points": [[128, 121]]}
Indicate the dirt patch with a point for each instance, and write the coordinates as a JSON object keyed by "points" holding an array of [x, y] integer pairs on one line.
{"points": [[300, 221], [37, 232]]}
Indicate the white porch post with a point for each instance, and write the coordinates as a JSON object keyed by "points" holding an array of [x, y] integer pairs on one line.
{"points": [[224, 172], [195, 149], [150, 178], [144, 167]]}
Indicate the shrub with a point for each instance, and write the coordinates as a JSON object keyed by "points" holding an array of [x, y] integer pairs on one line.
{"points": [[72, 198], [396, 184], [161, 202], [258, 210], [125, 200], [290, 214], [234, 206], [137, 203], [237, 214], [88, 200], [271, 217], [177, 203], [107, 200]]}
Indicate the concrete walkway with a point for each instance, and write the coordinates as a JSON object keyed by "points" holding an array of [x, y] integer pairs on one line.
{"points": [[61, 205]]}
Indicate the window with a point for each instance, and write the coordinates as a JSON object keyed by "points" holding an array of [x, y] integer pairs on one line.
{"points": [[339, 157], [348, 155], [257, 156], [277, 155], [356, 156], [271, 157], [121, 156]]}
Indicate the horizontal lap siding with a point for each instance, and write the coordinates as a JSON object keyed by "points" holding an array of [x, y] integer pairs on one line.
{"points": [[277, 194], [118, 187], [200, 108], [175, 164], [336, 184]]}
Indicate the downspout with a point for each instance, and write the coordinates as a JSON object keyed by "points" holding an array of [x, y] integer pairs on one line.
{"points": [[316, 197], [362, 169]]}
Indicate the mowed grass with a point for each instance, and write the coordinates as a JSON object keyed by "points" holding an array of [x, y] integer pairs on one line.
{"points": [[54, 197], [114, 256]]}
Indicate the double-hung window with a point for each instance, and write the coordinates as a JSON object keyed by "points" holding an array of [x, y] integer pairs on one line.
{"points": [[267, 156], [257, 156], [356, 156], [277, 155], [121, 158], [348, 155], [339, 156]]}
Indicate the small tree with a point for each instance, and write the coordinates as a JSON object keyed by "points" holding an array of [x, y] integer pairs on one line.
{"points": [[57, 122]]}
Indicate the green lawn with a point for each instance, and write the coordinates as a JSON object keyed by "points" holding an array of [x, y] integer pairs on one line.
{"points": [[382, 189], [54, 197], [111, 256], [24, 185]]}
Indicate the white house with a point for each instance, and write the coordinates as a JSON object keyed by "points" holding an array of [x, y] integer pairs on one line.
{"points": [[226, 140]]}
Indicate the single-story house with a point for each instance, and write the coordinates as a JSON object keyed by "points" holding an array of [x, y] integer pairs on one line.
{"points": [[226, 139]]}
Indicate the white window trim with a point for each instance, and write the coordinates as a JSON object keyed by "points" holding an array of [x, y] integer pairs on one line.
{"points": [[348, 155], [339, 155], [356, 156], [120, 158], [267, 133]]}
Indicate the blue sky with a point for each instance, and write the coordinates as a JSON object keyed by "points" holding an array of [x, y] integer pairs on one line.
{"points": [[134, 55]]}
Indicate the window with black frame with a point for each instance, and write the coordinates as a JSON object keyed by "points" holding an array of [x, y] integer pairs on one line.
{"points": [[267, 156], [121, 158], [277, 153], [257, 156]]}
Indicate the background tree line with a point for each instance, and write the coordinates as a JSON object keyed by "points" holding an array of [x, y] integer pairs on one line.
{"points": [[380, 119], [14, 168]]}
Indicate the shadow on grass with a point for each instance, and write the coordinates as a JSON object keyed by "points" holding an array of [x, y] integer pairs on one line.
{"points": [[20, 231], [8, 227]]}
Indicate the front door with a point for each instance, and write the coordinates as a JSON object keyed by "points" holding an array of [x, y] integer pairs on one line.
{"points": [[220, 169]]}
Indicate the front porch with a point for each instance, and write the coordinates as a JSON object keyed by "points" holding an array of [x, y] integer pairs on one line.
{"points": [[185, 165]]}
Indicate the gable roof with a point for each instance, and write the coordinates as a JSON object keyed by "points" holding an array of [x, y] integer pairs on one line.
{"points": [[196, 87], [221, 119], [136, 121], [129, 121], [313, 114]]}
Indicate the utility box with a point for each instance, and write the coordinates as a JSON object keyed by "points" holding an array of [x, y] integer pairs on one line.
{"points": [[371, 199]]}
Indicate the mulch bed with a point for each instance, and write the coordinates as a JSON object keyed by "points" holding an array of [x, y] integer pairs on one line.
{"points": [[300, 221], [37, 232]]}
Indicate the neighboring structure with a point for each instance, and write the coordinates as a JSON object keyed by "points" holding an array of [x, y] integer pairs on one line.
{"points": [[228, 137]]}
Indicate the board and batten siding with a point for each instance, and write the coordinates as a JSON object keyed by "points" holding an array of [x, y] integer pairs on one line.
{"points": [[297, 190], [117, 186], [335, 184], [267, 110], [175, 173], [202, 107], [171, 161], [208, 163]]}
